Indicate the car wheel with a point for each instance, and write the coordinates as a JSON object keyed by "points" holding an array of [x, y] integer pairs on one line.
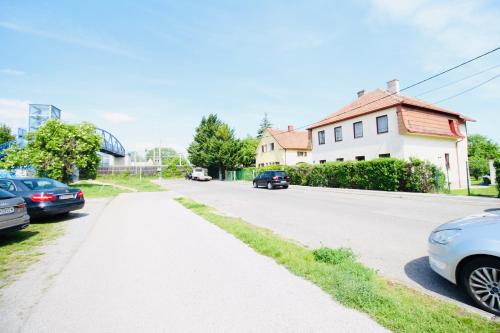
{"points": [[269, 186], [285, 187], [481, 279], [254, 184]]}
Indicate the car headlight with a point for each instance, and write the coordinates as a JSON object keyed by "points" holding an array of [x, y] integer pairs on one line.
{"points": [[445, 236]]}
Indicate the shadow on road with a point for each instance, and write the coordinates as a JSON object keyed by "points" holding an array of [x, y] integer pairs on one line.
{"points": [[58, 218], [419, 271]]}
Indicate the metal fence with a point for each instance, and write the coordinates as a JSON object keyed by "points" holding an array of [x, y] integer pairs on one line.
{"points": [[146, 171], [243, 174]]}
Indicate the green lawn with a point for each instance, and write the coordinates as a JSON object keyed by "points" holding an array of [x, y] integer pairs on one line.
{"points": [[142, 185], [21, 248], [337, 273], [485, 191], [99, 191]]}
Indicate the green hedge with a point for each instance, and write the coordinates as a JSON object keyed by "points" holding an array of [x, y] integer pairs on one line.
{"points": [[384, 174], [497, 168]]}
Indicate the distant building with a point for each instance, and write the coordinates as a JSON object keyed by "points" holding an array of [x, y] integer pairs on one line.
{"points": [[283, 147], [40, 113], [386, 124]]}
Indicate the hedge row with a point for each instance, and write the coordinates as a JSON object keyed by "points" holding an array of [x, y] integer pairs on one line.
{"points": [[385, 174], [497, 168]]}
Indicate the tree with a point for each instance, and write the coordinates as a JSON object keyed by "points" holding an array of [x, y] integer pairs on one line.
{"points": [[478, 166], [5, 134], [248, 151], [56, 148], [166, 153], [482, 147], [264, 124], [214, 145]]}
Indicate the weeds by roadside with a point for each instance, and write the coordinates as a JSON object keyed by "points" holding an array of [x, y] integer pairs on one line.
{"points": [[352, 284]]}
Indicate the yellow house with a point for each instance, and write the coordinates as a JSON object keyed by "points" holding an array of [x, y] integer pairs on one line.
{"points": [[283, 147]]}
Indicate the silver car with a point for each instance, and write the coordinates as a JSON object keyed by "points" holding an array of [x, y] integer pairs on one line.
{"points": [[467, 252], [13, 213]]}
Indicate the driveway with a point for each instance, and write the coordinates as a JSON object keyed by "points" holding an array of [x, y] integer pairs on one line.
{"points": [[387, 231], [150, 265]]}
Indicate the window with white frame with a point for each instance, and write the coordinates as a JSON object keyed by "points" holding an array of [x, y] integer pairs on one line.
{"points": [[321, 137]]}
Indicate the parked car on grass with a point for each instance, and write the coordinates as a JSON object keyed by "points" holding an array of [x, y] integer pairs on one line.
{"points": [[13, 213], [466, 252], [44, 196], [200, 174], [272, 179]]}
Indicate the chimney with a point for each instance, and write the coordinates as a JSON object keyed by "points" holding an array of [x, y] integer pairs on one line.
{"points": [[393, 87], [361, 93], [290, 128]]}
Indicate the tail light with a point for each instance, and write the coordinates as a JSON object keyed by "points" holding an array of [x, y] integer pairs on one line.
{"points": [[287, 178], [79, 195], [275, 177], [21, 205], [43, 197]]}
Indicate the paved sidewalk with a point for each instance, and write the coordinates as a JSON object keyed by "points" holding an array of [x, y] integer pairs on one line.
{"points": [[149, 265]]}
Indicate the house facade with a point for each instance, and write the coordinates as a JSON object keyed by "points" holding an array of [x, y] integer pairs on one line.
{"points": [[283, 147], [386, 124]]}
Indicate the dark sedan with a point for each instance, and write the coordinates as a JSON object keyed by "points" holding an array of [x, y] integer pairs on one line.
{"points": [[272, 179], [44, 196]]}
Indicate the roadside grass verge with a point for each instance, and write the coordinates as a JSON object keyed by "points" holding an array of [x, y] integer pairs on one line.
{"points": [[99, 190], [485, 191], [142, 185], [352, 284], [20, 249]]}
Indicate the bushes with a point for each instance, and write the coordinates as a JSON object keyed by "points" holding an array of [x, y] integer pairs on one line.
{"points": [[497, 169], [384, 174]]}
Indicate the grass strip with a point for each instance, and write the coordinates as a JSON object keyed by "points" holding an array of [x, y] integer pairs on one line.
{"points": [[142, 185], [98, 190], [485, 191], [336, 271], [20, 249]]}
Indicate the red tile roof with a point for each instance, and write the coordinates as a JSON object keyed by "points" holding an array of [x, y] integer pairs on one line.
{"points": [[291, 139], [427, 122], [379, 100]]}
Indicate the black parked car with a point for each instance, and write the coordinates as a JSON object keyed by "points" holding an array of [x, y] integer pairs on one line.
{"points": [[272, 179], [44, 196]]}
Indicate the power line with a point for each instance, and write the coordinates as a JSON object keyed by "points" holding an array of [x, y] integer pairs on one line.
{"points": [[411, 86]]}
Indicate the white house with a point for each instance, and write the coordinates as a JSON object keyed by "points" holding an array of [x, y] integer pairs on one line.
{"points": [[387, 124], [283, 147]]}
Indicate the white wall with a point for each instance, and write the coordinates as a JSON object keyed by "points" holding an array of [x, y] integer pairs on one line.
{"points": [[432, 149], [292, 158], [370, 145]]}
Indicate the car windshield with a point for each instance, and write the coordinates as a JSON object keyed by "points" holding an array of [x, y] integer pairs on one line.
{"points": [[43, 184], [6, 195], [280, 174]]}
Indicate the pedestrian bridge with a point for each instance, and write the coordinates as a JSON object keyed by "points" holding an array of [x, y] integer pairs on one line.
{"points": [[110, 144]]}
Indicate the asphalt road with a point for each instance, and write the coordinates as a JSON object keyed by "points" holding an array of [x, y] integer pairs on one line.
{"points": [[150, 265], [387, 231]]}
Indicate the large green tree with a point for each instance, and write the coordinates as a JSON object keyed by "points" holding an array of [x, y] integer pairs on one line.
{"points": [[264, 124], [248, 151], [482, 147], [56, 148], [214, 145], [5, 134]]}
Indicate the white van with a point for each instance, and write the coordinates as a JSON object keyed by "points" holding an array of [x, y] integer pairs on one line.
{"points": [[200, 174]]}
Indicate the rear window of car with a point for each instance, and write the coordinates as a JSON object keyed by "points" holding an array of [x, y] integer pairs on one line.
{"points": [[279, 173], [6, 195], [43, 184]]}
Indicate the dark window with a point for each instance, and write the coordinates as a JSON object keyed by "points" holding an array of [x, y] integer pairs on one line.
{"points": [[382, 125], [358, 129], [384, 155], [447, 160], [271, 146], [262, 148], [43, 184], [360, 158], [7, 185], [6, 195], [338, 133], [321, 137], [322, 161], [340, 159]]}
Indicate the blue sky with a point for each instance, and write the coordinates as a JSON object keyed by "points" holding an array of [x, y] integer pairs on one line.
{"points": [[148, 71]]}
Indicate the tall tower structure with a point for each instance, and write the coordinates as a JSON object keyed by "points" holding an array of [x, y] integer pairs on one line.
{"points": [[40, 113]]}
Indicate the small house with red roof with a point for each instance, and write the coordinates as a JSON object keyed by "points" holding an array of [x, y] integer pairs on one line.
{"points": [[384, 123], [283, 147]]}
